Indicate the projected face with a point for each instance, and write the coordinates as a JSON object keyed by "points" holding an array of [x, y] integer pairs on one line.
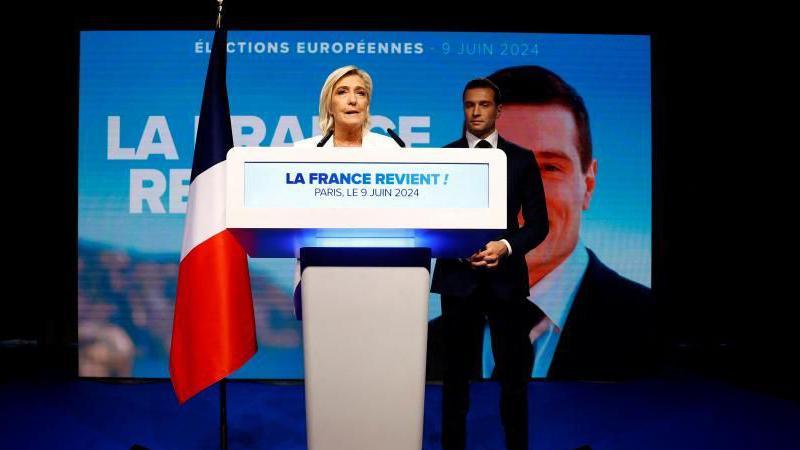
{"points": [[550, 131], [350, 102], [480, 111]]}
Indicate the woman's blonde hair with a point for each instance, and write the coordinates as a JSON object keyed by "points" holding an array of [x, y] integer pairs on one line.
{"points": [[326, 96]]}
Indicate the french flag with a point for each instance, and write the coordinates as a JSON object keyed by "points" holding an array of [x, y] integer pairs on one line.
{"points": [[213, 331]]}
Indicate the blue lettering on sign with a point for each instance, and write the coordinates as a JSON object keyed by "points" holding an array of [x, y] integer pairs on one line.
{"points": [[298, 179], [366, 178]]}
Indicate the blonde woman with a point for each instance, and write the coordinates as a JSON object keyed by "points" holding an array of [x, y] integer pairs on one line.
{"points": [[344, 112]]}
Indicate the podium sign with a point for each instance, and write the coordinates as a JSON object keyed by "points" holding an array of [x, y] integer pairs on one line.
{"points": [[377, 185], [433, 198]]}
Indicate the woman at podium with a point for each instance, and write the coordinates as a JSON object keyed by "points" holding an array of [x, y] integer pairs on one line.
{"points": [[344, 121], [344, 112]]}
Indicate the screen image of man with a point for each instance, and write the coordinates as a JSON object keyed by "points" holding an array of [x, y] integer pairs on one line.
{"points": [[492, 284], [598, 325]]}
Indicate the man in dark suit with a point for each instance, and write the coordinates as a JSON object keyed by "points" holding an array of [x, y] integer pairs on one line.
{"points": [[598, 325], [492, 284]]}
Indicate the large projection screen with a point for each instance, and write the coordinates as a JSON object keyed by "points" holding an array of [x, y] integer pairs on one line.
{"points": [[139, 98]]}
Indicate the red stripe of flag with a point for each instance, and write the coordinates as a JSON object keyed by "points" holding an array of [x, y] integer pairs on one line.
{"points": [[214, 328]]}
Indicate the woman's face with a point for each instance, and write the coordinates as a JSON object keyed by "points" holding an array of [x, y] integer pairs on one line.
{"points": [[350, 102]]}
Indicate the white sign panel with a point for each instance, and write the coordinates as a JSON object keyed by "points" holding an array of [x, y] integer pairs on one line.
{"points": [[365, 185], [362, 188]]}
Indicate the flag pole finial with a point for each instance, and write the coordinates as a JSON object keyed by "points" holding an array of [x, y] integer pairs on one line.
{"points": [[219, 13]]}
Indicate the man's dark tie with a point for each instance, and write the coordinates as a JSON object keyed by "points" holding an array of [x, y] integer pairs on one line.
{"points": [[483, 143], [531, 315]]}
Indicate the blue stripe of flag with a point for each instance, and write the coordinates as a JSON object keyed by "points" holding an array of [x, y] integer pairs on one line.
{"points": [[214, 135]]}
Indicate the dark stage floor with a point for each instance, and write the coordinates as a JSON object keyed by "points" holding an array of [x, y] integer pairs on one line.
{"points": [[644, 415]]}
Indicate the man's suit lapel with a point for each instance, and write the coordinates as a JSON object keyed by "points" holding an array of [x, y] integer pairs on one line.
{"points": [[579, 327], [461, 143], [501, 143]]}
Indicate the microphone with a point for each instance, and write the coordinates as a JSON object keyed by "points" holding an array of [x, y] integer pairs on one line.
{"points": [[325, 139], [396, 137]]}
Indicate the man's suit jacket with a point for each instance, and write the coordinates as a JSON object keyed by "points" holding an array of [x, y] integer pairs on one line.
{"points": [[510, 278], [610, 332]]}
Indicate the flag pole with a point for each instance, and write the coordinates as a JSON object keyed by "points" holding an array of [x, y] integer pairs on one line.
{"points": [[223, 414], [223, 385]]}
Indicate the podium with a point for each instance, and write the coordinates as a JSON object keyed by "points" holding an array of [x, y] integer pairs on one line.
{"points": [[364, 224]]}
